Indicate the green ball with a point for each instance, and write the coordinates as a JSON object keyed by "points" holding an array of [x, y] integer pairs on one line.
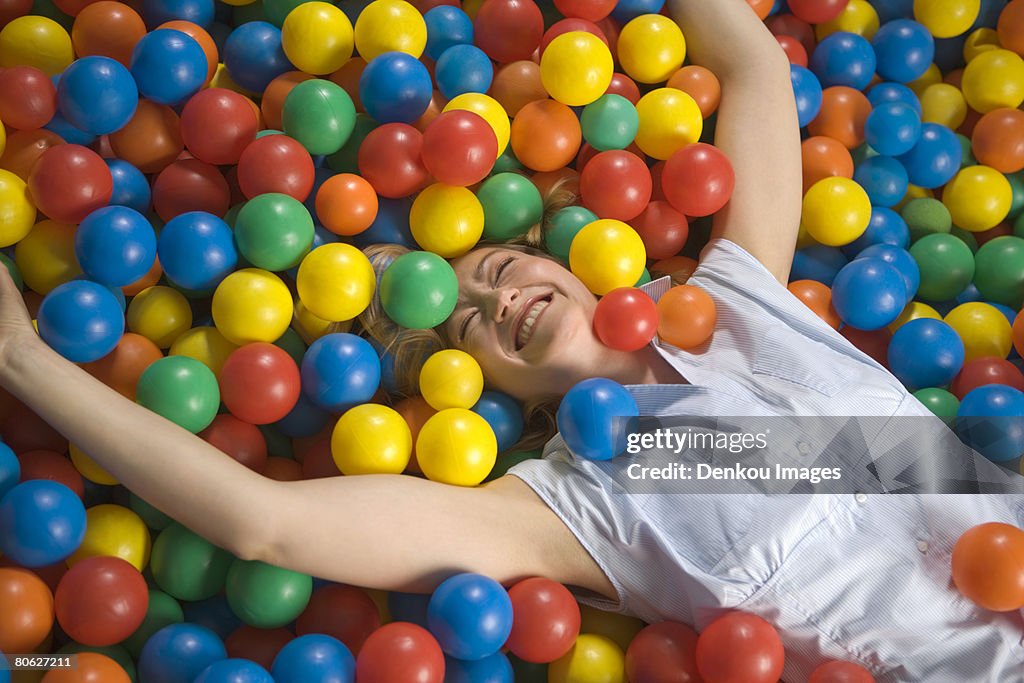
{"points": [[187, 566], [645, 277], [562, 229], [511, 458], [231, 217], [965, 236], [862, 153], [946, 264], [506, 163], [925, 216], [268, 131], [320, 115], [278, 444], [163, 611], [12, 268], [512, 205], [999, 271], [243, 14], [293, 345], [265, 596], [274, 231], [151, 517], [346, 159], [1017, 201], [528, 672], [48, 9], [966, 147], [116, 652], [419, 290], [610, 122], [276, 10], [1018, 226], [942, 403], [181, 389]]}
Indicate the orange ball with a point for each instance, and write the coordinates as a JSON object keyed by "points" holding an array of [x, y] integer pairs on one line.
{"points": [[282, 469], [107, 29], [151, 140], [565, 178], [26, 610], [92, 667], [517, 84], [276, 91], [148, 280], [988, 566], [824, 157], [687, 316], [700, 84], [762, 8], [680, 268], [546, 135], [843, 114], [121, 368], [818, 298], [24, 147], [1018, 334], [348, 78], [199, 34], [415, 411], [998, 140], [346, 204], [1011, 27]]}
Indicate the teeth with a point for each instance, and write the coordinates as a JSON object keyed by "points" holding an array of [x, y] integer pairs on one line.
{"points": [[526, 331]]}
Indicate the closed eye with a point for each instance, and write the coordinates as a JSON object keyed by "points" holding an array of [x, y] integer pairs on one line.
{"points": [[465, 325], [501, 269]]}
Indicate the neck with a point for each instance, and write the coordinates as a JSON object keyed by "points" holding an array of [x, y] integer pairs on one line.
{"points": [[645, 366]]}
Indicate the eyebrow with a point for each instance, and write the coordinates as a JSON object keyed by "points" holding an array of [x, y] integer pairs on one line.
{"points": [[479, 272]]}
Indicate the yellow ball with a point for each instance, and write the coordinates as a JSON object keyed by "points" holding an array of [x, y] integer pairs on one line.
{"points": [[252, 305], [222, 79], [651, 48], [446, 220], [160, 314], [309, 326], [114, 531], [317, 38], [17, 213], [607, 254], [836, 211], [46, 257], [390, 26], [944, 104], [456, 446], [336, 282], [932, 76], [857, 17], [3, 138], [206, 345], [36, 41], [984, 330], [994, 79], [576, 68], [978, 198], [89, 468], [451, 379], [593, 659], [619, 627], [947, 18], [982, 40], [491, 111], [913, 311], [669, 120], [371, 439]]}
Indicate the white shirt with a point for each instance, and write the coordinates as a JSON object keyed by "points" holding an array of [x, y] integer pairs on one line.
{"points": [[860, 576]]}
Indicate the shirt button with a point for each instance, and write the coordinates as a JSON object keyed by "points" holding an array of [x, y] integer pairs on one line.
{"points": [[922, 546], [861, 498], [803, 447]]}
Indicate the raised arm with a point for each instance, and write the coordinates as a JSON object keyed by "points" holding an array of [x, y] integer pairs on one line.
{"points": [[757, 126]]}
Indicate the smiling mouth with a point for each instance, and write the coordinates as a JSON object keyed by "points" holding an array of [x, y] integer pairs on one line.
{"points": [[526, 323]]}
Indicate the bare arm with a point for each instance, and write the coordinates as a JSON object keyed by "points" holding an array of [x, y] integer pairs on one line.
{"points": [[757, 126]]}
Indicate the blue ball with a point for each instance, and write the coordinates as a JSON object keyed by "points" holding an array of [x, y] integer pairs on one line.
{"points": [[69, 133], [387, 368], [892, 128], [197, 250], [214, 614], [844, 58], [905, 49], [314, 658], [627, 10], [462, 69], [949, 52], [81, 320], [178, 653], [411, 607], [885, 227], [97, 95], [493, 669], [339, 371], [122, 301], [970, 293], [395, 88], [895, 93], [254, 56], [305, 419], [5, 673], [817, 262], [988, 15], [925, 353], [10, 469], [41, 522], [169, 66], [504, 415], [935, 159], [234, 671], [991, 421], [869, 293], [893, 9], [884, 179], [115, 246], [470, 615], [591, 418], [446, 26], [157, 12], [131, 188], [808, 93], [391, 226]]}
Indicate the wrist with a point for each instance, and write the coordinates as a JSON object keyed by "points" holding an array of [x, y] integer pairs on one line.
{"points": [[15, 349]]}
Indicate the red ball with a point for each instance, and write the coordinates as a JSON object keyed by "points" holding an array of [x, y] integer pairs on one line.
{"points": [[616, 184], [344, 612], [28, 98], [390, 158], [817, 11], [319, 462], [663, 230], [790, 25], [875, 343], [626, 319], [546, 620], [740, 647], [794, 50], [400, 652], [568, 25], [101, 600], [259, 645], [459, 148], [68, 182], [12, 9], [42, 464], [982, 371], [260, 383], [592, 10], [190, 185], [508, 30], [25, 431], [698, 180], [665, 652], [243, 441], [625, 86], [276, 163], [217, 125], [841, 672]]}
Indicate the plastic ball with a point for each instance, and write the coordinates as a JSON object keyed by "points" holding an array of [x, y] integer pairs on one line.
{"points": [[925, 353], [899, 258], [101, 601], [446, 26], [314, 657], [663, 229], [512, 205], [320, 115], [336, 282], [504, 415], [576, 68], [179, 652], [115, 246], [68, 182], [616, 184], [81, 320], [946, 265], [905, 50], [27, 615], [940, 402], [10, 469], [347, 613], [989, 421], [451, 379], [340, 370], [217, 125], [994, 79], [546, 620], [390, 159], [446, 220], [740, 646], [190, 185], [490, 110], [254, 56], [611, 122], [131, 188], [463, 69], [419, 290], [592, 659], [346, 204], [508, 30], [592, 418], [836, 211], [38, 42], [698, 180], [276, 164], [669, 120], [182, 390], [169, 66], [844, 59], [883, 179], [662, 651], [984, 371], [159, 313], [371, 439], [259, 383], [265, 596], [869, 293], [545, 135], [686, 316], [17, 213], [1009, 27], [29, 98], [947, 18], [892, 129], [273, 231], [999, 271], [607, 254], [186, 566], [395, 88], [317, 38], [988, 566], [459, 148], [41, 522], [978, 198], [808, 93], [252, 305], [984, 330], [470, 615], [234, 670], [843, 114], [626, 319], [651, 48], [90, 80], [894, 93], [998, 140], [400, 651], [197, 250], [151, 141], [390, 26], [456, 446]]}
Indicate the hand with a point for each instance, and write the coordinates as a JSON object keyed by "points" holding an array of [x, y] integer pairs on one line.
{"points": [[16, 328]]}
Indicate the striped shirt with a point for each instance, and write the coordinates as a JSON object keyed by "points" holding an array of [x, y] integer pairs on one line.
{"points": [[862, 577]]}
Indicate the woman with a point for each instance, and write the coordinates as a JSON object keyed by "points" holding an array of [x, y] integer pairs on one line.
{"points": [[855, 577]]}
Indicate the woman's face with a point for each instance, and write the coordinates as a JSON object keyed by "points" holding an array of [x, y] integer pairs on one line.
{"points": [[527, 320]]}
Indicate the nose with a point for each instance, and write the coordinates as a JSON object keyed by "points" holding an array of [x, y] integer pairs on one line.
{"points": [[502, 303]]}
